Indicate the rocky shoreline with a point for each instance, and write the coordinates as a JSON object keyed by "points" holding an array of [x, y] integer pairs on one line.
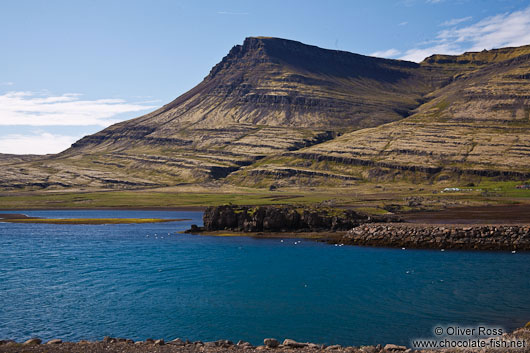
{"points": [[476, 237], [122, 345], [348, 227]]}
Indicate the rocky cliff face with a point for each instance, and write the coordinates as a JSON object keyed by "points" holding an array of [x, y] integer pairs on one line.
{"points": [[284, 219], [275, 109]]}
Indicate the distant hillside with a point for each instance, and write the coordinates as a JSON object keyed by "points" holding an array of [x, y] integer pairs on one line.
{"points": [[17, 158], [276, 111]]}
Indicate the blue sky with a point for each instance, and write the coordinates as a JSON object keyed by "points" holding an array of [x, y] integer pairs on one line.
{"points": [[71, 68]]}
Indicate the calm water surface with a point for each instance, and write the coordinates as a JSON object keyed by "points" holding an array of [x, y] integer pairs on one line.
{"points": [[145, 280]]}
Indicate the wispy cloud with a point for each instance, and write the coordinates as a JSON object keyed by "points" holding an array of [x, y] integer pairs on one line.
{"points": [[507, 29], [455, 21], [7, 83], [34, 109], [232, 13], [386, 53], [37, 143], [433, 1], [404, 23]]}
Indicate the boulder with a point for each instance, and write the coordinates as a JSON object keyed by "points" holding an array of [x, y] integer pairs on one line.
{"points": [[7, 342], [395, 348], [32, 341], [55, 341], [334, 347], [271, 342], [224, 343], [315, 346], [177, 342], [293, 344], [160, 342], [369, 349]]}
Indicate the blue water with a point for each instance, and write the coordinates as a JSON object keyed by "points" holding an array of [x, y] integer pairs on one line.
{"points": [[87, 281]]}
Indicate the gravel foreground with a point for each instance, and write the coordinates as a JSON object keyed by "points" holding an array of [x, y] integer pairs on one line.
{"points": [[271, 345]]}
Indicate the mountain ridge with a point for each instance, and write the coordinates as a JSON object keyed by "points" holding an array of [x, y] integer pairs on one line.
{"points": [[269, 102]]}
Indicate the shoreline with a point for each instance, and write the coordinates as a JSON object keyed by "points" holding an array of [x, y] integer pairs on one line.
{"points": [[520, 336], [22, 218], [389, 240], [411, 234], [110, 208]]}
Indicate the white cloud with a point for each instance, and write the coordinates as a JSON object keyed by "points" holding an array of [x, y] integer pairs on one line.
{"points": [[455, 21], [33, 109], [7, 83], [41, 143], [433, 1], [404, 23], [418, 54], [503, 30], [386, 53]]}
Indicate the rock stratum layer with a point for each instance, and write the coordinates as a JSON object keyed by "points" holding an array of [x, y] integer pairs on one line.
{"points": [[277, 112]]}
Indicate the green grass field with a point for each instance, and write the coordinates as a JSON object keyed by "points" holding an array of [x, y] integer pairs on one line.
{"points": [[371, 198], [146, 199]]}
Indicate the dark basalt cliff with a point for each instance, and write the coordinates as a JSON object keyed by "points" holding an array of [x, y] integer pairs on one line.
{"points": [[277, 111], [284, 218]]}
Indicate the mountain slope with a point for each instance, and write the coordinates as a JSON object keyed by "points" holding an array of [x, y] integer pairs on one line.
{"points": [[276, 111], [476, 126], [265, 97]]}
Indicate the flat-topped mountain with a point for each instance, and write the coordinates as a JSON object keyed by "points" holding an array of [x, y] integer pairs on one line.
{"points": [[275, 109]]}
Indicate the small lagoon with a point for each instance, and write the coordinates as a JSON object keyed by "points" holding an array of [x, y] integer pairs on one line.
{"points": [[146, 280]]}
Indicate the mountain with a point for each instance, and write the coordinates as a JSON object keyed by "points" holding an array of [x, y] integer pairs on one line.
{"points": [[473, 127], [277, 111]]}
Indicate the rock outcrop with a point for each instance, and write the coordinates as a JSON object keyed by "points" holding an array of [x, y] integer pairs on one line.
{"points": [[284, 219]]}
